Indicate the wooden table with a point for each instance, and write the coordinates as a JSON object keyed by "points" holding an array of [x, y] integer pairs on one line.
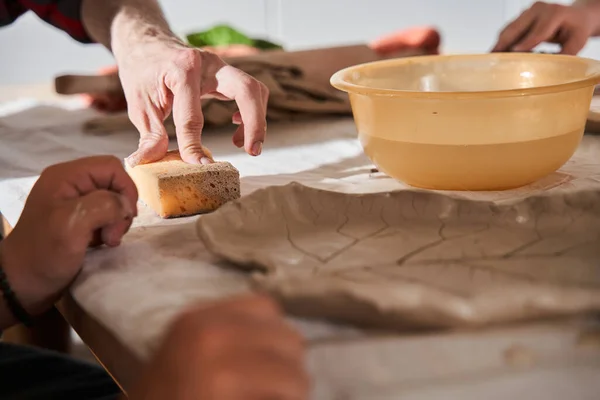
{"points": [[420, 353]]}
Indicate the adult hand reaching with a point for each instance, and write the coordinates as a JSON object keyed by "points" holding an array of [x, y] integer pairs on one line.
{"points": [[569, 26], [167, 76], [160, 74]]}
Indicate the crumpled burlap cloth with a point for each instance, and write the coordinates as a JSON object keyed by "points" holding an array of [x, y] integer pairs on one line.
{"points": [[298, 83], [292, 95]]}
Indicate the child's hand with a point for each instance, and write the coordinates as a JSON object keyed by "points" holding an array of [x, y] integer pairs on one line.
{"points": [[74, 205]]}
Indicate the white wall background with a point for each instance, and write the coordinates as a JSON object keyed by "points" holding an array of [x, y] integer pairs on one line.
{"points": [[31, 51]]}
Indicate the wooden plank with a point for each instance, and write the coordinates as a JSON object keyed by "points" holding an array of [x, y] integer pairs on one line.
{"points": [[120, 363]]}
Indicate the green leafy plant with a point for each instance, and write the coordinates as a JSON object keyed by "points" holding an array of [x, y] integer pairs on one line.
{"points": [[223, 35]]}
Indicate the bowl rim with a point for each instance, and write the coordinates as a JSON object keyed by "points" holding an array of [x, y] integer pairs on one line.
{"points": [[338, 79]]}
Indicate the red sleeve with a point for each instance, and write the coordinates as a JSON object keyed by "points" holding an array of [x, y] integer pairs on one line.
{"points": [[63, 14]]}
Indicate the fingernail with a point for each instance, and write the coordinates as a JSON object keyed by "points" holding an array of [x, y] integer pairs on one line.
{"points": [[205, 161], [257, 148]]}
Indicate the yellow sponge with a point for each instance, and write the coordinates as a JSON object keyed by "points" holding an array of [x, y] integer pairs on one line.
{"points": [[174, 188]]}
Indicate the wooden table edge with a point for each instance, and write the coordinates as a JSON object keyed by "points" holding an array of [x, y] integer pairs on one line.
{"points": [[118, 361]]}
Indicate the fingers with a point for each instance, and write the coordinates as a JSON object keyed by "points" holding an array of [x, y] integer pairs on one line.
{"points": [[574, 43], [257, 318], [251, 97], [185, 84], [238, 136], [545, 22], [257, 306], [262, 377], [101, 210], [189, 121], [514, 31], [83, 176], [246, 350], [543, 29], [419, 38], [154, 141]]}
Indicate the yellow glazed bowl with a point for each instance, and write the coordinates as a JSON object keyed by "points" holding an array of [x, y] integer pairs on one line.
{"points": [[470, 122]]}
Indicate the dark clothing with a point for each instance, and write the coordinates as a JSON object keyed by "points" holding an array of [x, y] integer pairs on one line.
{"points": [[28, 373], [63, 14]]}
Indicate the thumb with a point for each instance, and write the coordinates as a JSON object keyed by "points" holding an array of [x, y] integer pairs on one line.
{"points": [[102, 210]]}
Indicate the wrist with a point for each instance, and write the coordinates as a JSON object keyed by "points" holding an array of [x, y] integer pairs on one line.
{"points": [[134, 27], [122, 25], [27, 289]]}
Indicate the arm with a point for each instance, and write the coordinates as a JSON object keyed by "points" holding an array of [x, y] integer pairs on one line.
{"points": [[121, 25], [160, 75]]}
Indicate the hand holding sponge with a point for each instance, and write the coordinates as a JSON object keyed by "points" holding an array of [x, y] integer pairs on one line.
{"points": [[174, 188]]}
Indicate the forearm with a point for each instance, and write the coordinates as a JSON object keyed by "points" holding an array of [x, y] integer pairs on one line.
{"points": [[121, 25]]}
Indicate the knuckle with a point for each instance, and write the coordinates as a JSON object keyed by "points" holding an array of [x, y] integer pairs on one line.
{"points": [[555, 9], [539, 5], [249, 85], [187, 62], [255, 85], [153, 137], [192, 125], [52, 171]]}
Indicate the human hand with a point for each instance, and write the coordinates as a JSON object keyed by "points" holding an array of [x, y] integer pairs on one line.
{"points": [[569, 26], [163, 75], [424, 39], [237, 349], [106, 101], [89, 201], [114, 102]]}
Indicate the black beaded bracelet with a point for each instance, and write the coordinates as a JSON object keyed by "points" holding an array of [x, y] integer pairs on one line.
{"points": [[12, 302]]}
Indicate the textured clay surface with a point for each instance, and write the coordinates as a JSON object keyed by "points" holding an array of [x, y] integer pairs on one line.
{"points": [[414, 259]]}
